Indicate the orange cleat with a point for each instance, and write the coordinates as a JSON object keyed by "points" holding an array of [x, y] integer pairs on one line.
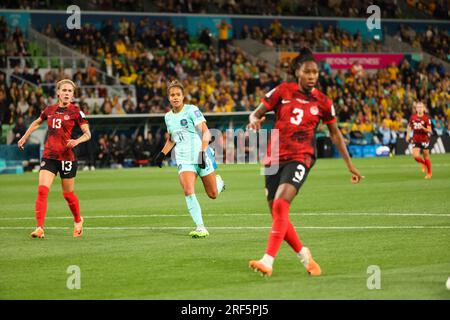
{"points": [[38, 233], [428, 176], [78, 228], [311, 266], [424, 168], [258, 266]]}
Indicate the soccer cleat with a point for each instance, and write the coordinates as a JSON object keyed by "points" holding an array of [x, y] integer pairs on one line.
{"points": [[424, 168], [199, 233], [311, 266], [38, 233], [78, 228], [259, 266], [428, 176]]}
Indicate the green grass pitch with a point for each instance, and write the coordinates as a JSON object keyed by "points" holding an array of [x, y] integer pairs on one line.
{"points": [[136, 246]]}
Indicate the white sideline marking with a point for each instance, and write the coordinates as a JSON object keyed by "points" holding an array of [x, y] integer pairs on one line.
{"points": [[236, 228], [243, 214]]}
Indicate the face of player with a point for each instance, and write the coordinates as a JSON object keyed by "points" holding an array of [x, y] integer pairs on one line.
{"points": [[420, 108], [65, 94], [308, 74], [176, 98]]}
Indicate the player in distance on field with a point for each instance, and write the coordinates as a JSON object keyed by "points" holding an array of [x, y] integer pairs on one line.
{"points": [[58, 156], [298, 107], [190, 136], [420, 125]]}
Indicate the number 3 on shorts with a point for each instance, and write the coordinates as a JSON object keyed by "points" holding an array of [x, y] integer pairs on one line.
{"points": [[299, 173], [66, 166]]}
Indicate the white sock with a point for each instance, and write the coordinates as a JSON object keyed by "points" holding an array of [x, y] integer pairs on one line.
{"points": [[267, 260], [302, 252], [303, 256]]}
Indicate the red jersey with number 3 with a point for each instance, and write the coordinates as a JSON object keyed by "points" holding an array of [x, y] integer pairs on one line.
{"points": [[415, 122], [297, 116], [61, 122]]}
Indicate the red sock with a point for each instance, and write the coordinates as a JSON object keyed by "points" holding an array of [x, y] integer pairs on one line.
{"points": [[74, 205], [280, 215], [41, 205], [420, 160], [293, 239], [428, 164]]}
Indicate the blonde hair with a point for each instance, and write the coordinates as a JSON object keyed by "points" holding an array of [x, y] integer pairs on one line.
{"points": [[64, 81], [175, 84], [417, 103]]}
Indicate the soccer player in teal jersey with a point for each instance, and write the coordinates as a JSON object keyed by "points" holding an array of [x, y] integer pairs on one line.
{"points": [[190, 136]]}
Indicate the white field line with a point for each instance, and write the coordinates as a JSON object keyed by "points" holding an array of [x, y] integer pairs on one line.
{"points": [[121, 216], [239, 228]]}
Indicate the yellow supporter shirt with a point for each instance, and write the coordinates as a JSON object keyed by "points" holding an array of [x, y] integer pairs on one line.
{"points": [[367, 127], [120, 47]]}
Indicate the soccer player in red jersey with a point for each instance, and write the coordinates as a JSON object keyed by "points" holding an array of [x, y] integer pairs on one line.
{"points": [[420, 124], [58, 153], [298, 107]]}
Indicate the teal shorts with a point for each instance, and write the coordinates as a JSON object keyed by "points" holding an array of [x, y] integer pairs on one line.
{"points": [[211, 165]]}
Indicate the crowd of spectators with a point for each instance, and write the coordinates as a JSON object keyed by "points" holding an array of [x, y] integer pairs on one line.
{"points": [[433, 40], [12, 43], [370, 106], [430, 9], [318, 38], [150, 54]]}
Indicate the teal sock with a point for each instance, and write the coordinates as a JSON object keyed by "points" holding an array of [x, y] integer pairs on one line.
{"points": [[219, 183], [194, 209]]}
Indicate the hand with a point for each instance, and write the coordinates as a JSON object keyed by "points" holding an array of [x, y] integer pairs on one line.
{"points": [[159, 159], [201, 160], [21, 142], [255, 123], [72, 143], [356, 176]]}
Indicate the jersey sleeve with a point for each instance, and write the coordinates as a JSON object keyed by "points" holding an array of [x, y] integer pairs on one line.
{"points": [[329, 115], [43, 114], [273, 97], [197, 116], [81, 118], [166, 120]]}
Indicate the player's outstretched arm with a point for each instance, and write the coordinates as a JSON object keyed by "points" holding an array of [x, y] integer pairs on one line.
{"points": [[338, 140], [257, 117], [33, 126], [72, 143], [158, 159]]}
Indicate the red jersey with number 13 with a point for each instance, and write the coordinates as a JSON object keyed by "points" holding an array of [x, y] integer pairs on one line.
{"points": [[61, 122], [420, 135], [297, 116]]}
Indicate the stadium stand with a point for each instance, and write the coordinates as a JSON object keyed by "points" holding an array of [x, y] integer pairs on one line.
{"points": [[372, 106]]}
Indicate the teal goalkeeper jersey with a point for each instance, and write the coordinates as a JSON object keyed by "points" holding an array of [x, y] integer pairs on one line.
{"points": [[182, 128]]}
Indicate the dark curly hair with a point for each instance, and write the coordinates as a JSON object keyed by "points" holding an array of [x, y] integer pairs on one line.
{"points": [[304, 55]]}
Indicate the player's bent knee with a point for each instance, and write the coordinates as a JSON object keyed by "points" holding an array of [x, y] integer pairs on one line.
{"points": [[43, 191], [212, 194]]}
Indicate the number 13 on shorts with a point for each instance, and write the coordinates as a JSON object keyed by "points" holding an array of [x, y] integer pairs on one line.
{"points": [[66, 165]]}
